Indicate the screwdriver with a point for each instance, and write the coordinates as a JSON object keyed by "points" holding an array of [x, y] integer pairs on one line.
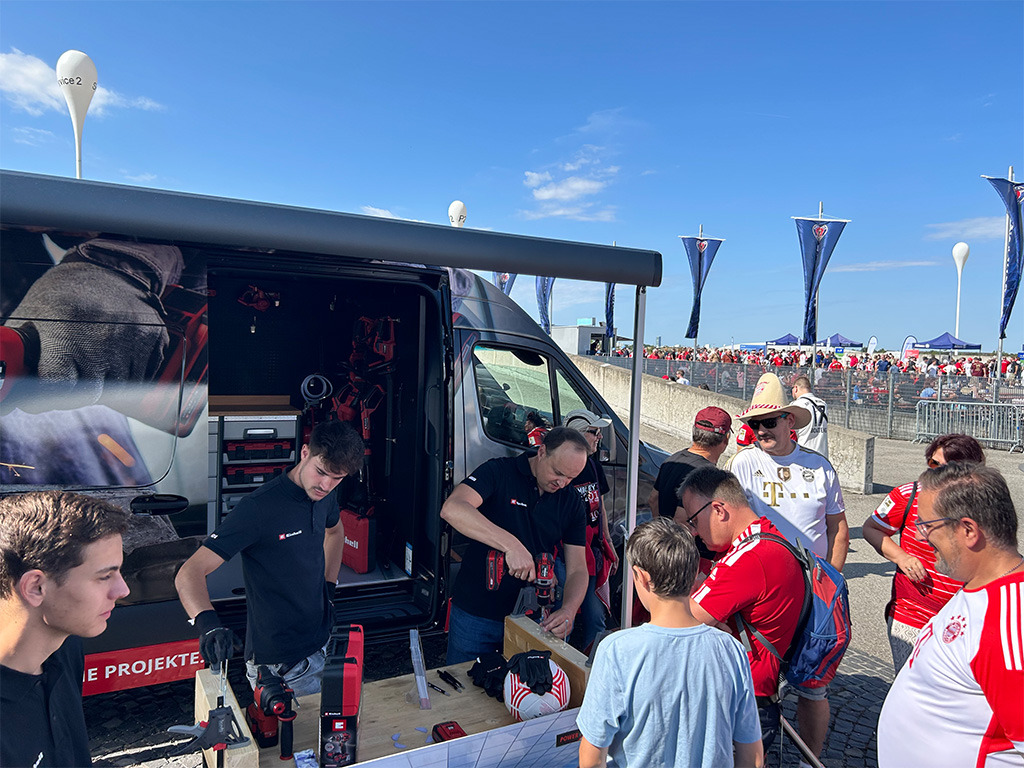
{"points": [[438, 688]]}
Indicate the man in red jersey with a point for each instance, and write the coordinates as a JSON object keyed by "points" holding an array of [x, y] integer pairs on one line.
{"points": [[756, 578]]}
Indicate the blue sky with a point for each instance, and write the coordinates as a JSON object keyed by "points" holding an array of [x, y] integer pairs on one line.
{"points": [[590, 121]]}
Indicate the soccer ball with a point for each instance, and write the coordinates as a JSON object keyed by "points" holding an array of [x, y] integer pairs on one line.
{"points": [[524, 704]]}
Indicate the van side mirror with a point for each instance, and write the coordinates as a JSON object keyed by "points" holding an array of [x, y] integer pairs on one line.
{"points": [[158, 504], [610, 442]]}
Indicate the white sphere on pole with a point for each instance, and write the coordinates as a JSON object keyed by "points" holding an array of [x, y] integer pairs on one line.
{"points": [[76, 76], [457, 213], [960, 253]]}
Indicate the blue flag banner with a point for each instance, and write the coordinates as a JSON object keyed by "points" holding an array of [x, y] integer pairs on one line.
{"points": [[544, 301], [700, 252], [609, 316], [818, 238], [504, 281], [1012, 194]]}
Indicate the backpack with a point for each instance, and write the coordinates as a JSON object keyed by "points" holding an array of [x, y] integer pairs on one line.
{"points": [[823, 631]]}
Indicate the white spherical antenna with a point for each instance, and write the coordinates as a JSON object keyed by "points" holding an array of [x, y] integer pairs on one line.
{"points": [[960, 253], [76, 76], [457, 213]]}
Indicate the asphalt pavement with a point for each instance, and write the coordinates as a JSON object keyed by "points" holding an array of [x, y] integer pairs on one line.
{"points": [[128, 728]]}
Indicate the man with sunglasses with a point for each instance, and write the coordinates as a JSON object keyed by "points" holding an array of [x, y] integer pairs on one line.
{"points": [[959, 700], [754, 578], [798, 490]]}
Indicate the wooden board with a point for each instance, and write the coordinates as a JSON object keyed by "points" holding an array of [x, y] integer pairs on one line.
{"points": [[251, 405], [207, 690], [388, 708], [524, 634]]}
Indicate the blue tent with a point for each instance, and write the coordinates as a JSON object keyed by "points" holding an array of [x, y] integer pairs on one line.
{"points": [[789, 338], [946, 341], [838, 340]]}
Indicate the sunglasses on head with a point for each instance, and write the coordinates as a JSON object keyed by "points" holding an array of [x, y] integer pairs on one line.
{"points": [[768, 423]]}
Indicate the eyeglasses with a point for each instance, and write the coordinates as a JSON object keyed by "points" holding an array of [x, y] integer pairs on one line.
{"points": [[594, 431], [767, 423], [922, 525], [691, 518]]}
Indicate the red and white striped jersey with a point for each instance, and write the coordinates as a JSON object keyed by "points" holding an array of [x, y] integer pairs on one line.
{"points": [[959, 700], [913, 602]]}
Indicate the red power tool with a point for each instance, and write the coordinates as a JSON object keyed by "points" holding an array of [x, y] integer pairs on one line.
{"points": [[272, 700]]}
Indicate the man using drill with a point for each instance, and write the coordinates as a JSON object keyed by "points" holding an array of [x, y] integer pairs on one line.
{"points": [[290, 538], [518, 507]]}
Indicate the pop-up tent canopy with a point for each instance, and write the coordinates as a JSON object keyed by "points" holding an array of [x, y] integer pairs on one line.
{"points": [[789, 338], [946, 341], [838, 340]]}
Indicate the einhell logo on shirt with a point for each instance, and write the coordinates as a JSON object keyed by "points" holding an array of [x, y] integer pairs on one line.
{"points": [[283, 536], [516, 503]]}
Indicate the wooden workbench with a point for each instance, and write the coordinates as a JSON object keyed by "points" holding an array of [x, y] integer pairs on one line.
{"points": [[388, 709]]}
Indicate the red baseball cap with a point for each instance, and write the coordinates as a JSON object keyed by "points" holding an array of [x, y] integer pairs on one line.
{"points": [[714, 420]]}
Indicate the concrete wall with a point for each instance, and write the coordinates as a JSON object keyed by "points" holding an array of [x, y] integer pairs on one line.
{"points": [[669, 409]]}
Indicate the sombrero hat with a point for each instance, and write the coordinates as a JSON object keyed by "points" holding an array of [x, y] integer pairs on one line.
{"points": [[768, 400]]}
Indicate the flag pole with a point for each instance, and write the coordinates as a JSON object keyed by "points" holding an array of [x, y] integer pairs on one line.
{"points": [[817, 294], [700, 236], [1002, 294]]}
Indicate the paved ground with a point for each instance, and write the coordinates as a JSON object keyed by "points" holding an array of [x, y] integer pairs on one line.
{"points": [[128, 728]]}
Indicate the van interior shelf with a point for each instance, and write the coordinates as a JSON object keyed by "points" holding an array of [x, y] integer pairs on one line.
{"points": [[252, 405]]}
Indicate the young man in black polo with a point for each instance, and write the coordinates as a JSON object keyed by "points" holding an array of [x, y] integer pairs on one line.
{"points": [[520, 506], [60, 574], [290, 538]]}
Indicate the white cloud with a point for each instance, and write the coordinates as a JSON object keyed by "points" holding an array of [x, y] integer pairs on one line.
{"points": [[536, 179], [30, 84], [608, 121], [568, 189], [980, 228], [562, 196], [584, 212], [141, 178], [384, 213], [879, 266], [33, 137]]}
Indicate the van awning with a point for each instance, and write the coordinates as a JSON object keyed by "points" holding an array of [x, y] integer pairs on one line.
{"points": [[77, 205]]}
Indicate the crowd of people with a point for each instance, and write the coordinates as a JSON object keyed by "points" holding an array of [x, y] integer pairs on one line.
{"points": [[717, 578], [973, 365]]}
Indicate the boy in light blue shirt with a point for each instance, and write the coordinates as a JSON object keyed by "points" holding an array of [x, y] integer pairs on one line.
{"points": [[673, 692]]}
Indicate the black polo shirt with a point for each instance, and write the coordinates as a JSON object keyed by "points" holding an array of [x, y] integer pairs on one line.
{"points": [[511, 500], [671, 475], [41, 715], [279, 532]]}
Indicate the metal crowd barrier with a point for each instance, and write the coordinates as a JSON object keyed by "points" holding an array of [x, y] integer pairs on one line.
{"points": [[998, 424]]}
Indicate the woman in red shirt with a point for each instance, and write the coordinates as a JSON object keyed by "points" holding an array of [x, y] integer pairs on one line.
{"points": [[918, 589]]}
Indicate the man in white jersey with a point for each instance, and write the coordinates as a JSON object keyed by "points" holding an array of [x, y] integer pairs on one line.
{"points": [[798, 490], [815, 434], [959, 700]]}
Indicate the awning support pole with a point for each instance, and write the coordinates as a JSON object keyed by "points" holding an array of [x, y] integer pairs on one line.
{"points": [[633, 477]]}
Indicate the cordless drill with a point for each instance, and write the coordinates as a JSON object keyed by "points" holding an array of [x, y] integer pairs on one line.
{"points": [[544, 584], [272, 700]]}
